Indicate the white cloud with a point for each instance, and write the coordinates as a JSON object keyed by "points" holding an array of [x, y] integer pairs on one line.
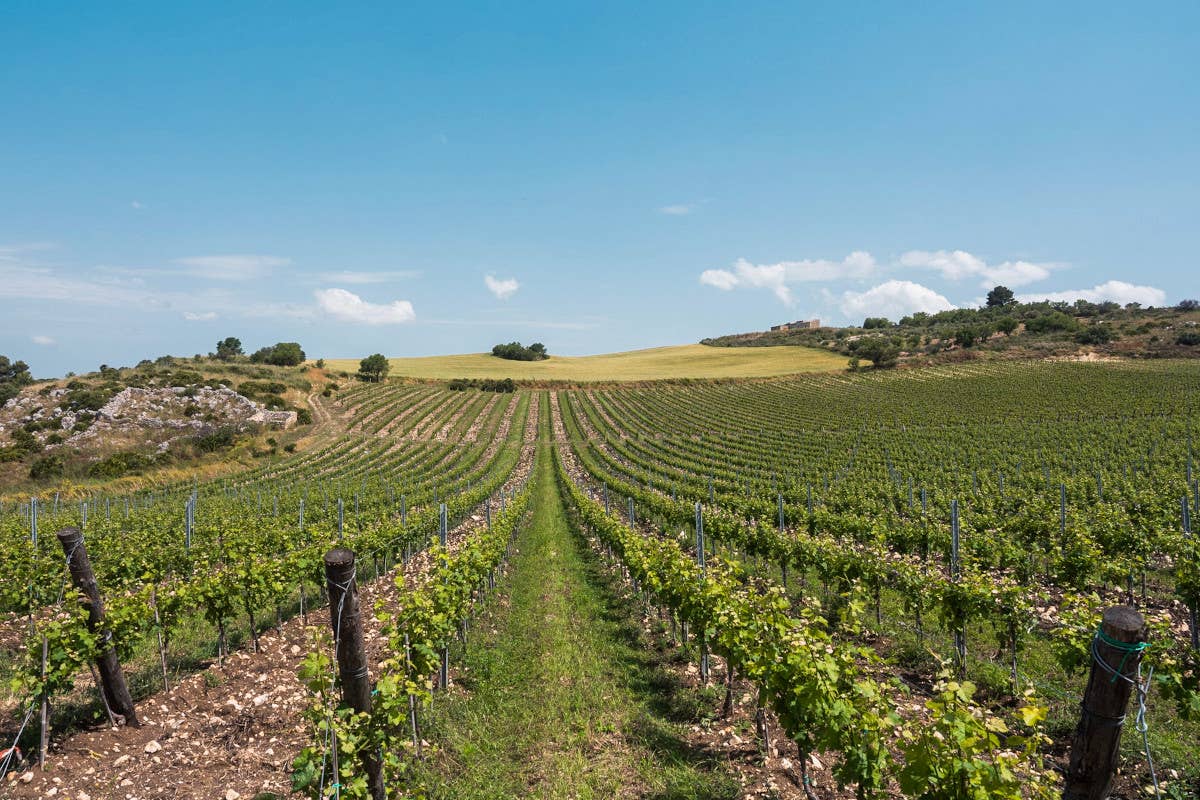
{"points": [[136, 206], [677, 210], [202, 316], [45, 341], [231, 267], [957, 265], [362, 278], [779, 277], [893, 299], [42, 283], [349, 307], [503, 289], [1115, 291], [720, 278]]}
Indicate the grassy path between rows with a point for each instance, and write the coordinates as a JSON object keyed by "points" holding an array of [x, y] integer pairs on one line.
{"points": [[558, 694]]}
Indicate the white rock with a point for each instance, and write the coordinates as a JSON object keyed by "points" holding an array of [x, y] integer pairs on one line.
{"points": [[152, 746]]}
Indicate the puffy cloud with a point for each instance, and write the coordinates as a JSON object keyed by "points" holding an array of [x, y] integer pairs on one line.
{"points": [[349, 307], [202, 316], [45, 341], [503, 289], [778, 277], [893, 299], [1114, 291], [957, 265], [232, 267], [720, 278]]}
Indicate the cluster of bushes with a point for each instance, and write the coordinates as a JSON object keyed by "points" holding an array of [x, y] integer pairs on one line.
{"points": [[51, 466], [119, 464], [484, 385], [215, 440], [283, 354], [880, 351], [261, 387], [515, 351]]}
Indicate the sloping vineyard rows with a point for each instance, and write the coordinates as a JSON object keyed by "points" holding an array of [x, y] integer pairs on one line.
{"points": [[1067, 533], [818, 686], [253, 543], [1024, 566]]}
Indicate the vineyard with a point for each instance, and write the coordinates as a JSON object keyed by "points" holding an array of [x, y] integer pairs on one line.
{"points": [[868, 585]]}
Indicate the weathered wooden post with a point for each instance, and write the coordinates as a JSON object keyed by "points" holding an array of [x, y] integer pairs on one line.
{"points": [[351, 654], [1116, 655], [112, 680]]}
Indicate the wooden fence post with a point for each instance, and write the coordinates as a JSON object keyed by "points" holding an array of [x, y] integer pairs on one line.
{"points": [[1116, 654], [112, 680], [351, 654]]}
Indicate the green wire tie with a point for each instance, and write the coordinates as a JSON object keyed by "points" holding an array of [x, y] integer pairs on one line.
{"points": [[1127, 648]]}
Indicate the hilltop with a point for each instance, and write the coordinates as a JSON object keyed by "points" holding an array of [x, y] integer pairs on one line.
{"points": [[1009, 330], [171, 411]]}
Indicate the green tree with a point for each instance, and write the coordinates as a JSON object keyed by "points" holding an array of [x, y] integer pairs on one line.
{"points": [[876, 322], [229, 348], [13, 376], [1000, 296], [879, 351], [283, 354], [373, 368], [1006, 325], [966, 337]]}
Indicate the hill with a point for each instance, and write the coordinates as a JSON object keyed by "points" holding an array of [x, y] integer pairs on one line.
{"points": [[1013, 330], [658, 363]]}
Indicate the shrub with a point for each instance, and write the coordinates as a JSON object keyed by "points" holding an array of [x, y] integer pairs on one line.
{"points": [[119, 464], [304, 416], [1007, 325], [290, 447], [1048, 323], [249, 388], [1189, 339], [876, 322], [88, 398], [879, 351], [485, 385], [213, 441], [1095, 334], [47, 467]]}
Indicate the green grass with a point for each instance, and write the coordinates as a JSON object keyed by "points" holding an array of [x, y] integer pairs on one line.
{"points": [[562, 697], [659, 363]]}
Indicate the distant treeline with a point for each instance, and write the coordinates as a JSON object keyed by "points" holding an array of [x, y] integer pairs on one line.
{"points": [[483, 384]]}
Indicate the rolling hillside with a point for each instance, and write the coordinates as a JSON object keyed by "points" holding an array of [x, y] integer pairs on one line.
{"points": [[658, 363]]}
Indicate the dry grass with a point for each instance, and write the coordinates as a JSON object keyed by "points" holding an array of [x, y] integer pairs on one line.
{"points": [[658, 363]]}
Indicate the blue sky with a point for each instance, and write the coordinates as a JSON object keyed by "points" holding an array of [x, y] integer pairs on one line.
{"points": [[627, 174]]}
